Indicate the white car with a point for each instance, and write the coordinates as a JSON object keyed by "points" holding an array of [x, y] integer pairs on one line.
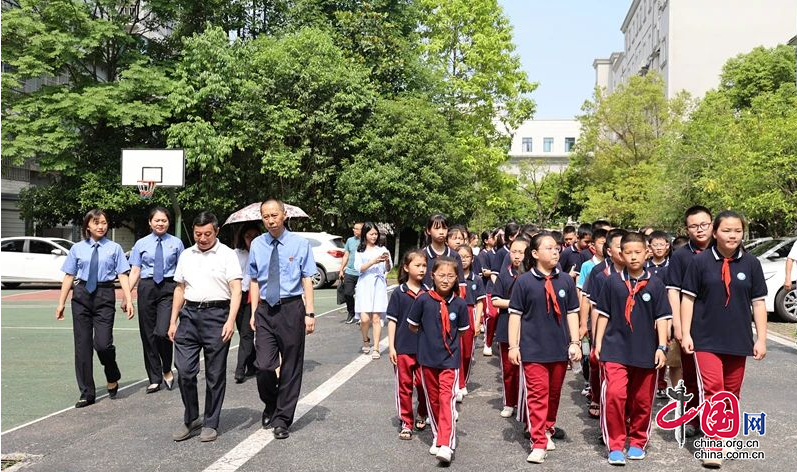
{"points": [[772, 255], [328, 252], [30, 259]]}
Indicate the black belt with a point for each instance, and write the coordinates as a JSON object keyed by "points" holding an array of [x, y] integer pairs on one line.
{"points": [[99, 284], [208, 304], [282, 300], [165, 279]]}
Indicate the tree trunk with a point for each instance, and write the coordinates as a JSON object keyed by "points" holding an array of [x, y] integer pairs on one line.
{"points": [[396, 246]]}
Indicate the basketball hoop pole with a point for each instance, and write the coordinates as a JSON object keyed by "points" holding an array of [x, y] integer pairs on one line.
{"points": [[178, 214]]}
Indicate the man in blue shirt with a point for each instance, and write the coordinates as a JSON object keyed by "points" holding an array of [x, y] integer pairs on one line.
{"points": [[281, 266], [348, 272]]}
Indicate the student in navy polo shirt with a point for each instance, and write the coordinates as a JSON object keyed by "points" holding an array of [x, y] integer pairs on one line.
{"points": [[613, 262], [543, 334], [697, 220], [659, 244], [569, 236], [511, 232], [437, 239], [501, 296], [474, 298], [631, 343], [719, 287], [491, 312], [571, 257], [403, 343], [439, 315]]}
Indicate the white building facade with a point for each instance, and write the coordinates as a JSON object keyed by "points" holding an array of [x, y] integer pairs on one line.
{"points": [[548, 142], [688, 41]]}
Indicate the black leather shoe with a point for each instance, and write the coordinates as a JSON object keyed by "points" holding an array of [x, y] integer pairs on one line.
{"points": [[113, 391], [267, 417], [84, 402], [558, 433], [281, 432], [239, 379], [152, 388], [350, 319]]}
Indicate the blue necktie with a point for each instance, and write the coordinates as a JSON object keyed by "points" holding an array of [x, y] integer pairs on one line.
{"points": [[157, 271], [94, 268], [273, 283]]}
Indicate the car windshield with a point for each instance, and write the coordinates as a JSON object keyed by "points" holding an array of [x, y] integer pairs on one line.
{"points": [[759, 250], [338, 242]]}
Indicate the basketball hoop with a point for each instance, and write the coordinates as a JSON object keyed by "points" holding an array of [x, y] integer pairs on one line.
{"points": [[146, 188]]}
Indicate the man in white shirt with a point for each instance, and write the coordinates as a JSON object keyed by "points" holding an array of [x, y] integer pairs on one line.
{"points": [[206, 299]]}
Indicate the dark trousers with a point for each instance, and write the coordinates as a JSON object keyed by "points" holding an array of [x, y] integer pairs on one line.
{"points": [[349, 283], [246, 344], [280, 332], [199, 332], [92, 325], [154, 312]]}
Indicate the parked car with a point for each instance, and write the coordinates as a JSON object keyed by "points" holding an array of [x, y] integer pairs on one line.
{"points": [[30, 259], [328, 252], [749, 245], [772, 255]]}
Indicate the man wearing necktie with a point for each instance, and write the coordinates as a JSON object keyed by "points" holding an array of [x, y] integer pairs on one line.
{"points": [[153, 261], [281, 266]]}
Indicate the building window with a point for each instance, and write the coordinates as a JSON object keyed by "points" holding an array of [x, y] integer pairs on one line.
{"points": [[569, 143], [547, 144], [527, 145]]}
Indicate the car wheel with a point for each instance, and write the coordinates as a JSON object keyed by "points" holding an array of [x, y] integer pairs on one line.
{"points": [[786, 305], [319, 279], [11, 285]]}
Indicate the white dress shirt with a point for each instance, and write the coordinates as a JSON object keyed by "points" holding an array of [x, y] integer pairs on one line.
{"points": [[207, 275]]}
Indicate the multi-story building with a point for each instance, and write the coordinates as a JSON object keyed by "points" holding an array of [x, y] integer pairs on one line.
{"points": [[548, 143], [688, 41]]}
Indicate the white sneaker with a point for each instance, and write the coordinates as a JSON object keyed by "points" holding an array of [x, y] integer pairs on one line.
{"points": [[550, 446], [537, 456], [460, 396], [444, 454], [433, 450], [428, 420], [507, 412], [464, 392], [487, 351], [456, 415]]}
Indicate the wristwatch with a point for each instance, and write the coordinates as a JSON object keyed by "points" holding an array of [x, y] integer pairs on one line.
{"points": [[310, 315], [664, 349]]}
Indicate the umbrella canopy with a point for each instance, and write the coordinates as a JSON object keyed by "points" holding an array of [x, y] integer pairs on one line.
{"points": [[252, 213]]}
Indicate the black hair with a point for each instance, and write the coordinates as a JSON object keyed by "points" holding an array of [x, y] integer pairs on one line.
{"points": [[436, 220], [465, 247], [445, 260], [510, 231], [528, 259], [91, 215], [367, 227], [694, 210], [724, 215], [499, 239], [558, 237], [601, 224], [599, 233], [206, 218], [658, 234], [403, 275], [458, 229], [633, 237], [569, 229], [239, 239], [645, 229], [485, 236], [611, 236], [159, 209], [530, 230], [584, 230], [679, 242]]}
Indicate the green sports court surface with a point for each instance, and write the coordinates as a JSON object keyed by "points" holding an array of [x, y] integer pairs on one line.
{"points": [[38, 373]]}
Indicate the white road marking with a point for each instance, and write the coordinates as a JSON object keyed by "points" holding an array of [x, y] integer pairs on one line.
{"points": [[250, 446], [782, 340], [5, 297], [60, 328]]}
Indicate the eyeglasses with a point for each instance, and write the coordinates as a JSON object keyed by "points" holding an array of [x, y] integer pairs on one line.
{"points": [[658, 246], [445, 277], [702, 226]]}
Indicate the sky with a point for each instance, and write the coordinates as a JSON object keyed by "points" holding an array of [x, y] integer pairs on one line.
{"points": [[557, 40]]}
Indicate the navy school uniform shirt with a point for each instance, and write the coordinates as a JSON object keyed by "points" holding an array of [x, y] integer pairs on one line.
{"points": [[431, 255], [585, 255], [543, 336], [497, 260], [485, 258], [110, 258], [658, 270], [425, 313], [504, 285], [715, 327], [143, 254], [398, 307], [597, 279], [621, 344], [475, 289], [679, 261]]}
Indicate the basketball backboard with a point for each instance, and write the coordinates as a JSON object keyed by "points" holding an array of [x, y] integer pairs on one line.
{"points": [[165, 167]]}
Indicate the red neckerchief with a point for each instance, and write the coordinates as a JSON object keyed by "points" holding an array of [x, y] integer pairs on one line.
{"points": [[413, 295], [726, 277], [695, 249], [443, 318], [591, 249], [629, 302], [550, 298], [514, 279]]}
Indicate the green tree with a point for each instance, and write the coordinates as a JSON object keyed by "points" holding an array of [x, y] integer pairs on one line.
{"points": [[761, 71]]}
